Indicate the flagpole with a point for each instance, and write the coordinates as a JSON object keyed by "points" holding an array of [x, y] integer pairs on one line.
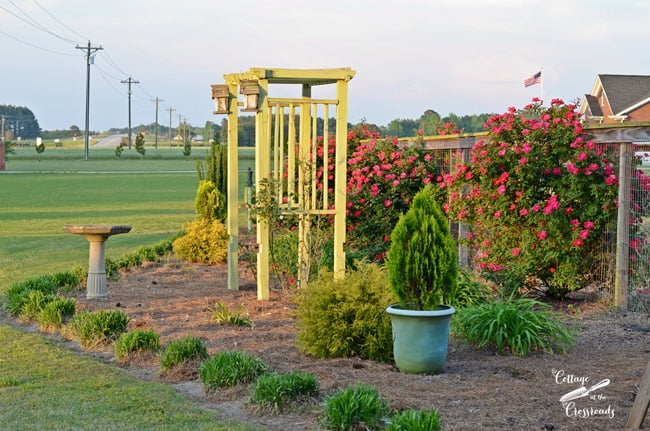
{"points": [[541, 86]]}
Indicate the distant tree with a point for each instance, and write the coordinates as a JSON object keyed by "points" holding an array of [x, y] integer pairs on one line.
{"points": [[40, 148], [429, 122], [20, 121], [187, 147], [75, 130], [139, 144]]}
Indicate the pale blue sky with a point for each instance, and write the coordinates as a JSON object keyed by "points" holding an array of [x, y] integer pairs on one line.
{"points": [[461, 56]]}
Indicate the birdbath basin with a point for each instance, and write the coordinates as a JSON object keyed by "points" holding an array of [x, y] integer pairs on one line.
{"points": [[96, 235]]}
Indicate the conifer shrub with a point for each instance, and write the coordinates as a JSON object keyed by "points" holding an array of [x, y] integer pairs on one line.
{"points": [[99, 327], [182, 350], [230, 368], [341, 318], [55, 313], [210, 203], [422, 260], [206, 241], [137, 340]]}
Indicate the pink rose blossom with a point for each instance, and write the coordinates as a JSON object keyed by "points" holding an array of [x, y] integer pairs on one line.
{"points": [[515, 251], [588, 224], [583, 234], [387, 203], [542, 234]]}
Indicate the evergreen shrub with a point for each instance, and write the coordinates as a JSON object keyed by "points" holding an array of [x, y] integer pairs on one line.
{"points": [[206, 241], [341, 318]]}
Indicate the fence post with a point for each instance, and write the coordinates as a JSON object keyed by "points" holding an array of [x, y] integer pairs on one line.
{"points": [[2, 155], [623, 225]]}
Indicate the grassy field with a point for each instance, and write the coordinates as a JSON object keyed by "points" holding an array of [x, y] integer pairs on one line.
{"points": [[43, 386]]}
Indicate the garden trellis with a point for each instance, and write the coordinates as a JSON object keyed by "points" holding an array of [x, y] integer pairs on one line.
{"points": [[282, 157], [625, 257]]}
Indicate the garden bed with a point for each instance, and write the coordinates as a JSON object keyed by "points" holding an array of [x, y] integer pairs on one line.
{"points": [[478, 390]]}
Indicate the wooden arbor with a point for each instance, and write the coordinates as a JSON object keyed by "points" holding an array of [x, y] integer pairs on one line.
{"points": [[286, 155]]}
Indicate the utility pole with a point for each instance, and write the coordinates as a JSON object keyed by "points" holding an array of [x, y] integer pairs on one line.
{"points": [[89, 50], [130, 81], [156, 100], [170, 109], [180, 126]]}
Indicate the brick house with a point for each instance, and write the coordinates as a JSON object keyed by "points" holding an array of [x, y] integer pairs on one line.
{"points": [[617, 99]]}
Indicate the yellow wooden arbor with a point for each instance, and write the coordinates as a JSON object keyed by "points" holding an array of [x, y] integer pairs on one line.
{"points": [[288, 157]]}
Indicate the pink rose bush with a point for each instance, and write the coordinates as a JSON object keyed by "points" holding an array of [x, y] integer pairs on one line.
{"points": [[382, 179], [538, 197]]}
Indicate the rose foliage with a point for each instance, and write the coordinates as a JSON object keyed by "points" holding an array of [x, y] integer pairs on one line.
{"points": [[538, 197]]}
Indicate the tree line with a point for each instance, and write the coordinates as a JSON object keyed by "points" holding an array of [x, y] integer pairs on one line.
{"points": [[18, 122]]}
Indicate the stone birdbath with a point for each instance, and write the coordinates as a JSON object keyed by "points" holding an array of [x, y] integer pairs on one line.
{"points": [[96, 236]]}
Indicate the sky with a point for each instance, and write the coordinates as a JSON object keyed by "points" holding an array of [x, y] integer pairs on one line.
{"points": [[460, 56]]}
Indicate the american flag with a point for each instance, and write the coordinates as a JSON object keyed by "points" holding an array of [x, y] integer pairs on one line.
{"points": [[535, 79]]}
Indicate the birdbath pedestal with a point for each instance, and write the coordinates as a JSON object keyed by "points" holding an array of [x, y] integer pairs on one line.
{"points": [[96, 236]]}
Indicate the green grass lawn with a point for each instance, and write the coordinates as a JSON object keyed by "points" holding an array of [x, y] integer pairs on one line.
{"points": [[43, 386]]}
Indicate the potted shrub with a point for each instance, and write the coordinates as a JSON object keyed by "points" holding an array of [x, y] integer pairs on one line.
{"points": [[423, 273]]}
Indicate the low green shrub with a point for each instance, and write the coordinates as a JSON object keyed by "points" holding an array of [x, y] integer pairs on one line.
{"points": [[147, 253], [273, 391], [182, 350], [99, 327], [206, 241], [138, 340], [68, 281], [16, 295], [35, 301], [55, 313], [354, 408], [519, 325], [225, 316], [415, 420], [340, 318], [230, 368]]}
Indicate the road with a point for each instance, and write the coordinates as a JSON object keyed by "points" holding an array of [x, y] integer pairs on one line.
{"points": [[111, 141]]}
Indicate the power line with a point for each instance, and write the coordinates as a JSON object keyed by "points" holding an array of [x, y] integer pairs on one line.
{"points": [[34, 23], [59, 21], [36, 46], [145, 91], [112, 62]]}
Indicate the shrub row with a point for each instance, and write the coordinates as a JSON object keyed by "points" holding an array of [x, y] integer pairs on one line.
{"points": [[149, 253]]}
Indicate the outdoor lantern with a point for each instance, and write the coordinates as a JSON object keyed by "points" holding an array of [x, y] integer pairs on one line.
{"points": [[220, 95], [251, 92]]}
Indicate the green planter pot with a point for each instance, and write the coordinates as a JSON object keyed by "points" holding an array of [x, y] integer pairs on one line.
{"points": [[420, 338]]}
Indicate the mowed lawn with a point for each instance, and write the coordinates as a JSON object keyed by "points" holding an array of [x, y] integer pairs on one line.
{"points": [[46, 387]]}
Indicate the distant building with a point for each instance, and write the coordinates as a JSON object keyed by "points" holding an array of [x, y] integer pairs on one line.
{"points": [[617, 99]]}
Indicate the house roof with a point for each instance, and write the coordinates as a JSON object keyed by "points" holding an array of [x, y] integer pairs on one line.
{"points": [[594, 106], [624, 91]]}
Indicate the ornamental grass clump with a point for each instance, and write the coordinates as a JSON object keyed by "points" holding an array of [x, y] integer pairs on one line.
{"points": [[517, 325], [230, 368], [55, 313], [99, 327], [138, 340], [358, 407], [183, 350], [415, 420], [422, 260], [274, 391]]}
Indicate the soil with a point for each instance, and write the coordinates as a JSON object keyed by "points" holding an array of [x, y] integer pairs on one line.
{"points": [[479, 390]]}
